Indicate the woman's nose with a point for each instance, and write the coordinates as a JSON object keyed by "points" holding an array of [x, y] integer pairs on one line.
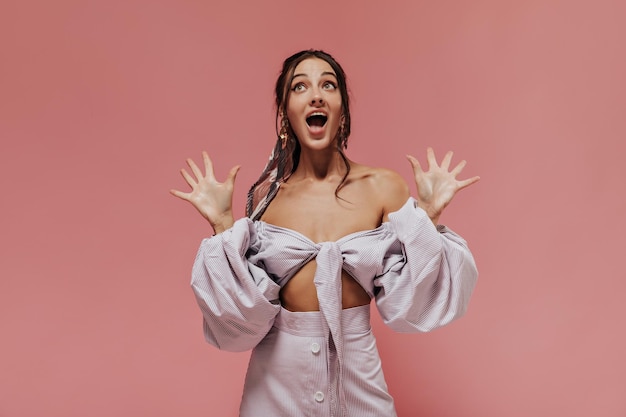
{"points": [[317, 99]]}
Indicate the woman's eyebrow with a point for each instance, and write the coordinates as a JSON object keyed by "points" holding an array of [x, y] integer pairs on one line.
{"points": [[306, 75]]}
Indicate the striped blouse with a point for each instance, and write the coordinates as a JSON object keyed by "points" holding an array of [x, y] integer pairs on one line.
{"points": [[420, 276]]}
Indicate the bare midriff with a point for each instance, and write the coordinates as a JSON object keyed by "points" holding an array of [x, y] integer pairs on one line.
{"points": [[300, 294]]}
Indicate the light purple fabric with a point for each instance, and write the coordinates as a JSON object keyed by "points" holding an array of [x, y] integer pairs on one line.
{"points": [[288, 373], [420, 276]]}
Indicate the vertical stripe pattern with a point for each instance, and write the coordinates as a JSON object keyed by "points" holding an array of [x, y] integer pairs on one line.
{"points": [[420, 276]]}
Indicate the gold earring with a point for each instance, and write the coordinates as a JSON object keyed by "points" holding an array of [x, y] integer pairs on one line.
{"points": [[284, 130]]}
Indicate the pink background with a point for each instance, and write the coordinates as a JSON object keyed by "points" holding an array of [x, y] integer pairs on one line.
{"points": [[101, 102]]}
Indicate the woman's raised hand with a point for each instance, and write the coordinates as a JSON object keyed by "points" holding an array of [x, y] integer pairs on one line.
{"points": [[437, 186], [213, 199]]}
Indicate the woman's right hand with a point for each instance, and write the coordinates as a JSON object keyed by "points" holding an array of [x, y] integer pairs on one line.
{"points": [[213, 199]]}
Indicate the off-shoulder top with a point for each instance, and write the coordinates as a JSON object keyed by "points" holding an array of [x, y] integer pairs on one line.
{"points": [[420, 276]]}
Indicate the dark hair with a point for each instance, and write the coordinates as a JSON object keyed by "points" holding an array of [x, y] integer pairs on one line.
{"points": [[283, 84], [286, 77], [285, 157]]}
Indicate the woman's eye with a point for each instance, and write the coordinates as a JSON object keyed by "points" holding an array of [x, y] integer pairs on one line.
{"points": [[329, 86], [298, 87]]}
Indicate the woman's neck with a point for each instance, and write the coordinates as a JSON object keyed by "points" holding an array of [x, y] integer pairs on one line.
{"points": [[319, 165]]}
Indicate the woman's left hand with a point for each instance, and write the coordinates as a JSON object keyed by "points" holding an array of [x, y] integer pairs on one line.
{"points": [[437, 186]]}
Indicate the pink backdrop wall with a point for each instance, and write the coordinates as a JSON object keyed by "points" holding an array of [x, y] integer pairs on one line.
{"points": [[101, 102]]}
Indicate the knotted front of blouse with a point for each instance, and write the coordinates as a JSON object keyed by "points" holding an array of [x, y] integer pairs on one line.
{"points": [[292, 251], [420, 276]]}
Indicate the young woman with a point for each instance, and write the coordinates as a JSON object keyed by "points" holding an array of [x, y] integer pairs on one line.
{"points": [[323, 236]]}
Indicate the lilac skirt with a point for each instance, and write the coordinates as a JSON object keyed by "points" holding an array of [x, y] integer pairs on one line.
{"points": [[288, 371]]}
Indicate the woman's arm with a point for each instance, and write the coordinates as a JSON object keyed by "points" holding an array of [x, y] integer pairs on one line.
{"points": [[238, 300], [429, 276]]}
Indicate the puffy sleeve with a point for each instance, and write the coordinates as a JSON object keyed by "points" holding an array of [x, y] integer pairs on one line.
{"points": [[427, 277], [238, 300]]}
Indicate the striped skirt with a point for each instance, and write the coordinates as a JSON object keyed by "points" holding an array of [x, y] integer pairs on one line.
{"points": [[288, 371]]}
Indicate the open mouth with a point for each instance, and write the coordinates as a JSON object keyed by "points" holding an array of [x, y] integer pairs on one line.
{"points": [[316, 120]]}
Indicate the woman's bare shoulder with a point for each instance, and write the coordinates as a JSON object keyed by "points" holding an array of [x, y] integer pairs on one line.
{"points": [[386, 186]]}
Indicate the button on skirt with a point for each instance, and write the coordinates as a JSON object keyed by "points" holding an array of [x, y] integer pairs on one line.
{"points": [[288, 371]]}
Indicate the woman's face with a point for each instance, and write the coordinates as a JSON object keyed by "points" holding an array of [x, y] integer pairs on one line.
{"points": [[314, 104]]}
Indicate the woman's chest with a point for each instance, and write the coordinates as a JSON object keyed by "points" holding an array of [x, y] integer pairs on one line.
{"points": [[322, 217]]}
